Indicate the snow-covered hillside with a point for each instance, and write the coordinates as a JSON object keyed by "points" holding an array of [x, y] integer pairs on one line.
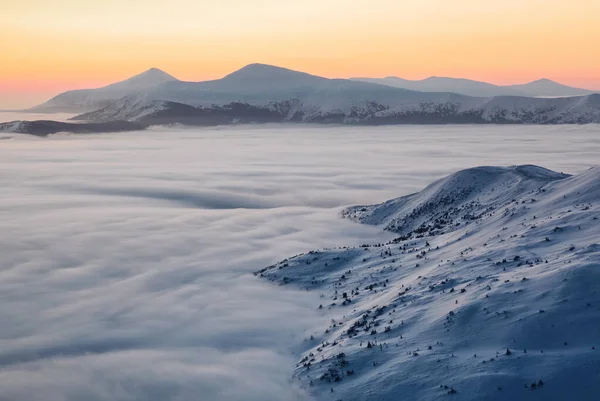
{"points": [[499, 110], [83, 100], [352, 103], [490, 292]]}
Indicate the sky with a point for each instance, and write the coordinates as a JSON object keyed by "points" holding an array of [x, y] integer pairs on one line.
{"points": [[51, 46]]}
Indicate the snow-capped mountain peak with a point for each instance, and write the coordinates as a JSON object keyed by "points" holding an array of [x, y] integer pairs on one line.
{"points": [[84, 100], [152, 76], [263, 77]]}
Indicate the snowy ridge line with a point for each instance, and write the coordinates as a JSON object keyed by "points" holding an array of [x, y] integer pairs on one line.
{"points": [[490, 292], [468, 87]]}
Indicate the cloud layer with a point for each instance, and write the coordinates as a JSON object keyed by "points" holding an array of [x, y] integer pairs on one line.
{"points": [[126, 260]]}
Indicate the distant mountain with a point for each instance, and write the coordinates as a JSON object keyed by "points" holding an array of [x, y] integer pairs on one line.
{"points": [[82, 100], [292, 95], [262, 93], [546, 87], [540, 88], [442, 84], [47, 127], [255, 83], [265, 93]]}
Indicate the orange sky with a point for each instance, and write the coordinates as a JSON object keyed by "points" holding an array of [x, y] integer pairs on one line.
{"points": [[51, 46]]}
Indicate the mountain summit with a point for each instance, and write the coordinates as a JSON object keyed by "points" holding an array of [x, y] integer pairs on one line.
{"points": [[83, 100], [547, 87], [264, 77], [147, 78], [266, 71]]}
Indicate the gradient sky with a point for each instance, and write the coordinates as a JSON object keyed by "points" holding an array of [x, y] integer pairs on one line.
{"points": [[49, 46]]}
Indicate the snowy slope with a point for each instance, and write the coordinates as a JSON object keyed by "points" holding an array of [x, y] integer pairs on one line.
{"points": [[341, 103], [491, 292], [500, 109], [82, 100], [446, 202], [159, 112], [126, 108]]}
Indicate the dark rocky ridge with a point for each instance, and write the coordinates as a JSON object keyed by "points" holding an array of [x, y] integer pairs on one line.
{"points": [[47, 127]]}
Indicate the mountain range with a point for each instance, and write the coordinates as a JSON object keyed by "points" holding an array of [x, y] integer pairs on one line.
{"points": [[467, 87], [260, 93], [266, 79]]}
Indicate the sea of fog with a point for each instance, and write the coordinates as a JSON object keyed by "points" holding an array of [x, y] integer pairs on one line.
{"points": [[126, 259]]}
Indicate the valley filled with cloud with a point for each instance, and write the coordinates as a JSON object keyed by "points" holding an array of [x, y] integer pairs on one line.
{"points": [[126, 260]]}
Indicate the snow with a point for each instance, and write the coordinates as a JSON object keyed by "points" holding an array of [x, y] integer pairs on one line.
{"points": [[507, 109], [129, 108], [466, 192], [489, 259]]}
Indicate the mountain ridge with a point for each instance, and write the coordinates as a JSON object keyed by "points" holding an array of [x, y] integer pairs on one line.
{"points": [[538, 88], [490, 294]]}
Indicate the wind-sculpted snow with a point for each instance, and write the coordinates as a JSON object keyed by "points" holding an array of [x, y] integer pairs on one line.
{"points": [[489, 293]]}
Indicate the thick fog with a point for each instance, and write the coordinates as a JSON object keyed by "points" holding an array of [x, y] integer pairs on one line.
{"points": [[126, 259]]}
